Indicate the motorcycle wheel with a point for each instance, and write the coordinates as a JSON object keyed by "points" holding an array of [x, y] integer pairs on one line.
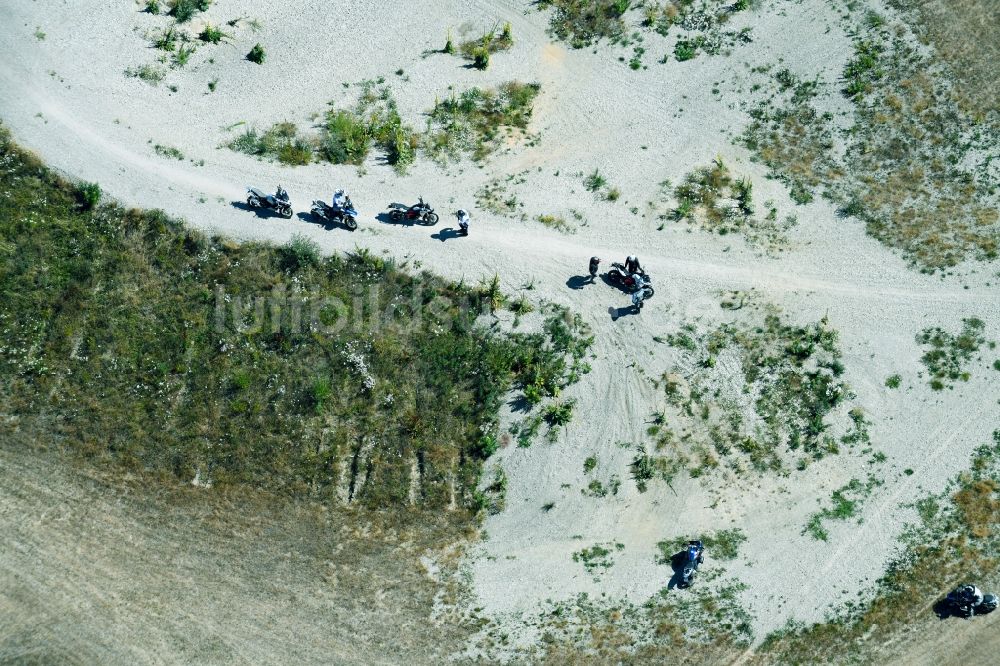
{"points": [[431, 219], [252, 202], [286, 213], [396, 216], [350, 223], [649, 291]]}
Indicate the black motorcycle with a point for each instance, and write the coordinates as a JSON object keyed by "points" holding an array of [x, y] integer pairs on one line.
{"points": [[421, 212], [621, 278], [278, 202], [346, 214], [694, 555], [967, 600]]}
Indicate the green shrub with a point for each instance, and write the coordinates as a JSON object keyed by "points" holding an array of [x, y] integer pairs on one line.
{"points": [[299, 253], [183, 55], [893, 381], [346, 140], [481, 58], [184, 10], [559, 413], [257, 54], [212, 35], [167, 41], [89, 195], [484, 447], [685, 50], [152, 7], [595, 181]]}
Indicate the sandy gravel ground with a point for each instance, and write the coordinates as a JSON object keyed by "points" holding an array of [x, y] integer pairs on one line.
{"points": [[66, 98]]}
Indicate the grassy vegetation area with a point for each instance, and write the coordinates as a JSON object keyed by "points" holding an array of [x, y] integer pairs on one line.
{"points": [[477, 123], [702, 625], [711, 198], [785, 399], [719, 545], [950, 353], [478, 120], [584, 23], [598, 557], [845, 503], [966, 35], [142, 343], [346, 135], [917, 168], [281, 142], [956, 539]]}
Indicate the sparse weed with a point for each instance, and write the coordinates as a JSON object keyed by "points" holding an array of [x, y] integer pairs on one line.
{"points": [[151, 74]]}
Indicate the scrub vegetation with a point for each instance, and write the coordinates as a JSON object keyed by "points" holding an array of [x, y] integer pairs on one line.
{"points": [[713, 199], [917, 166], [758, 394], [475, 123], [139, 342]]}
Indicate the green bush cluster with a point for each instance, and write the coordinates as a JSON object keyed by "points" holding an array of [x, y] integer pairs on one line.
{"points": [[474, 120], [184, 10], [281, 142]]}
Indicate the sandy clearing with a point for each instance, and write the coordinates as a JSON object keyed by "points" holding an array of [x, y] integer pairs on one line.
{"points": [[593, 113]]}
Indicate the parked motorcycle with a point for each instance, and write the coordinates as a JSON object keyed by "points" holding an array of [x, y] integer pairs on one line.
{"points": [[621, 278], [346, 214], [968, 600], [421, 212], [278, 202], [694, 555]]}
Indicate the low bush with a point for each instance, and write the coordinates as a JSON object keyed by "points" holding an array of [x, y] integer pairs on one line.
{"points": [[212, 35], [480, 49], [585, 22], [257, 54], [184, 10], [89, 195], [281, 142]]}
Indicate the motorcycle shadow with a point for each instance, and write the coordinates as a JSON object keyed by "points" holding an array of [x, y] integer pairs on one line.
{"points": [[446, 234], [385, 218], [313, 219], [579, 281], [262, 213], [606, 278], [945, 610]]}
